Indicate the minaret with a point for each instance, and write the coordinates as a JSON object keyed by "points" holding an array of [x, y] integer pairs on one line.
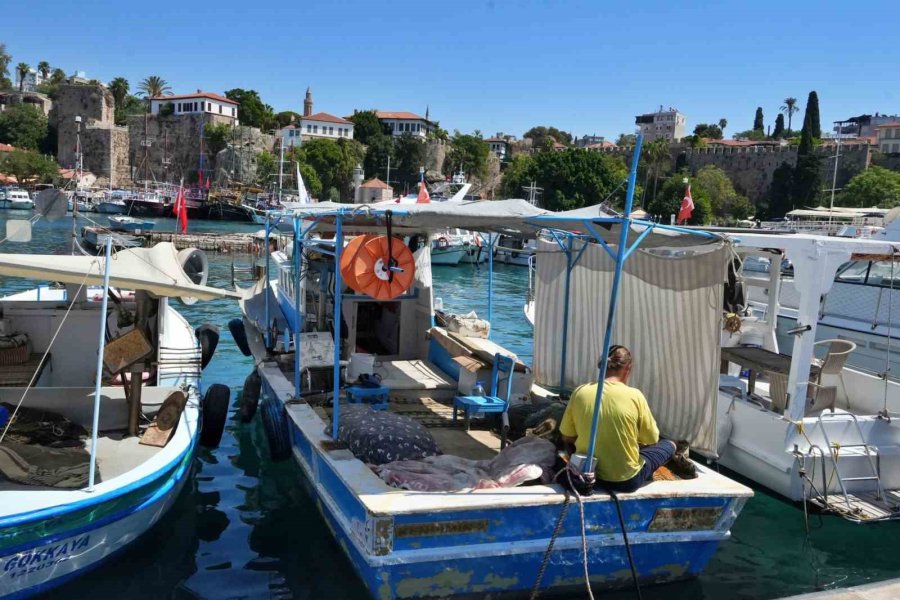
{"points": [[426, 113], [308, 103]]}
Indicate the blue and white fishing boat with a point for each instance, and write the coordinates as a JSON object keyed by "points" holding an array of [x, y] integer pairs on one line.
{"points": [[469, 540], [130, 224], [78, 484]]}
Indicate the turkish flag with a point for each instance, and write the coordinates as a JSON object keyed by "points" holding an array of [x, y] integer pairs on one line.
{"points": [[423, 197], [687, 206]]}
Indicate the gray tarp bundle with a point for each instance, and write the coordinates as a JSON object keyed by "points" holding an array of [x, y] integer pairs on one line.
{"points": [[669, 315]]}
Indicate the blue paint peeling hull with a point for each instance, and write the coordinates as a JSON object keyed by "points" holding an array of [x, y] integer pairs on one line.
{"points": [[499, 549]]}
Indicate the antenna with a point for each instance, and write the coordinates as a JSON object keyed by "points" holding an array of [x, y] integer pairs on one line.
{"points": [[533, 193]]}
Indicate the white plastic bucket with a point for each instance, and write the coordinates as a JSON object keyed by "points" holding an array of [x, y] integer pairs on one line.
{"points": [[360, 363]]}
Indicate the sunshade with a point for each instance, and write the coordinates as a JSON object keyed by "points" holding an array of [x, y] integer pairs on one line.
{"points": [[155, 270]]}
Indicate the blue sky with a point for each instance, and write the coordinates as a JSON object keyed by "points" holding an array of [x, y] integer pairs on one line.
{"points": [[585, 67]]}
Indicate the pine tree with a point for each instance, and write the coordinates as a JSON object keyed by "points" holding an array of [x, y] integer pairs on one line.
{"points": [[812, 115], [781, 190], [758, 120], [779, 127]]}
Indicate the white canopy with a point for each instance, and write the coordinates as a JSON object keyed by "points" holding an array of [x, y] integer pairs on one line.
{"points": [[156, 270]]}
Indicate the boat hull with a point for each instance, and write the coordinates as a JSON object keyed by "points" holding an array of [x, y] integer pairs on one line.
{"points": [[82, 540], [112, 208], [448, 257], [498, 549]]}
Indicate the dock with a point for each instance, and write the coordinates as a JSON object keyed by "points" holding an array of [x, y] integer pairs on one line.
{"points": [[883, 590], [223, 243]]}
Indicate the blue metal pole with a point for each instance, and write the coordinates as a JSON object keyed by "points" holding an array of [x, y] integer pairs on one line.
{"points": [[338, 250], [493, 239], [565, 324], [268, 336], [621, 250], [92, 469], [298, 324]]}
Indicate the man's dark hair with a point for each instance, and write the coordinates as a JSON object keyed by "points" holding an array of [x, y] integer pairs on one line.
{"points": [[618, 359]]}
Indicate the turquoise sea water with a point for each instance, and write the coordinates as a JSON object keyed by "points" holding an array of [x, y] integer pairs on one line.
{"points": [[246, 528]]}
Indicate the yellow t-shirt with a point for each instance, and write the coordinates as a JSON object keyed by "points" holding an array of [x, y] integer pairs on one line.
{"points": [[625, 422]]}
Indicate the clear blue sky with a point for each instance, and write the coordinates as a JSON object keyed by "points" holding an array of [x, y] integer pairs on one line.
{"points": [[494, 65]]}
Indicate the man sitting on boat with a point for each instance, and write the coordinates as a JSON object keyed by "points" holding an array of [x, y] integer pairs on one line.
{"points": [[628, 449]]}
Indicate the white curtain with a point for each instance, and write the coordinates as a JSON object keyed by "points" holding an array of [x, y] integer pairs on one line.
{"points": [[669, 315]]}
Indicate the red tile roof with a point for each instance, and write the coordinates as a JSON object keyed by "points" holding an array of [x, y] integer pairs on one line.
{"points": [[375, 184], [328, 118], [398, 115], [603, 144], [496, 139], [6, 148], [208, 95]]}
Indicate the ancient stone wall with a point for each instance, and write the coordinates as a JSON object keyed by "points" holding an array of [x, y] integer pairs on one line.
{"points": [[435, 153], [237, 161]]}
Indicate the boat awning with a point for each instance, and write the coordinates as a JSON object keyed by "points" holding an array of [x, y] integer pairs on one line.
{"points": [[155, 270]]}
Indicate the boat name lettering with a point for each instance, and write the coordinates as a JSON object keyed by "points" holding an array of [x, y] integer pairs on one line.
{"points": [[41, 558], [685, 519], [440, 528]]}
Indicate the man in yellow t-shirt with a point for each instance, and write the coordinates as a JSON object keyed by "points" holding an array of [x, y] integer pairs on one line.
{"points": [[628, 449]]}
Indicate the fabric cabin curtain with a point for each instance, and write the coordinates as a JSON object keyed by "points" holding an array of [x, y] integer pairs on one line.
{"points": [[669, 315]]}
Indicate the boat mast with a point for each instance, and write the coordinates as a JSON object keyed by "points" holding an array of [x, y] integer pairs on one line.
{"points": [[79, 171], [837, 157], [280, 167]]}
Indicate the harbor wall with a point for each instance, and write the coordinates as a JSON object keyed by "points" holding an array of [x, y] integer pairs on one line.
{"points": [[751, 168]]}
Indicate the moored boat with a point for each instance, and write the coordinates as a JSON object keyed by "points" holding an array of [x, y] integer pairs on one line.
{"points": [[130, 224]]}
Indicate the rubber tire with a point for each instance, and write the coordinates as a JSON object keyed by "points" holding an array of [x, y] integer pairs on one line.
{"points": [[250, 396], [236, 327], [275, 425], [215, 412], [208, 336]]}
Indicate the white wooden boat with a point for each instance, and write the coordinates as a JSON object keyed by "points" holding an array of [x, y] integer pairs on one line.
{"points": [[130, 224], [50, 534], [452, 543]]}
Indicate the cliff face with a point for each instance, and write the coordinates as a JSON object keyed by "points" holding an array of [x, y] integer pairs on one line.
{"points": [[237, 161]]}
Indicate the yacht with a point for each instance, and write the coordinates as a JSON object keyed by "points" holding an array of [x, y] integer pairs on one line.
{"points": [[16, 199]]}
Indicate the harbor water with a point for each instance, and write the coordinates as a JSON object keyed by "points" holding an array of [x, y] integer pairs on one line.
{"points": [[247, 529]]}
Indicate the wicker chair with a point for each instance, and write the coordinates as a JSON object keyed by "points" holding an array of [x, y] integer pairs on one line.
{"points": [[778, 384], [819, 397], [834, 361]]}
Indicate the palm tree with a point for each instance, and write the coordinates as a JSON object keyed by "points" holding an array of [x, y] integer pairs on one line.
{"points": [[789, 108], [119, 89], [58, 76], [658, 157], [22, 70], [723, 123], [154, 86], [44, 69]]}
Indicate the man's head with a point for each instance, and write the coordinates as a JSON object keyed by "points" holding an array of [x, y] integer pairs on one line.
{"points": [[618, 363]]}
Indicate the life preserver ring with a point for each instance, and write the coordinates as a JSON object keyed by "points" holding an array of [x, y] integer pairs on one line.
{"points": [[371, 268], [442, 242], [478, 240], [348, 259]]}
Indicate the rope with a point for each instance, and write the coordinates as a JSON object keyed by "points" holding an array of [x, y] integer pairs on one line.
{"points": [[34, 375], [887, 356], [536, 588], [634, 577], [584, 552]]}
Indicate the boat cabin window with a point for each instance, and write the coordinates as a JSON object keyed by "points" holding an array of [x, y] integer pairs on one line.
{"points": [[879, 273], [854, 272]]}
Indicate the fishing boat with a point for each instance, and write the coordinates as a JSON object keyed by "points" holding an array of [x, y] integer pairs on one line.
{"points": [[95, 238], [513, 250], [130, 224], [446, 250], [103, 406], [804, 422], [457, 541]]}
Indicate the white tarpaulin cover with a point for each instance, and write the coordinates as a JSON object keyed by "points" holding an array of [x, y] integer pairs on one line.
{"points": [[155, 270], [669, 315]]}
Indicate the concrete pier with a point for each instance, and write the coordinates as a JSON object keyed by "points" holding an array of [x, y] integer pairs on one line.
{"points": [[883, 590]]}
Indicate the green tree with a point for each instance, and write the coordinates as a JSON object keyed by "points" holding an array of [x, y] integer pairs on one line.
{"points": [[723, 123], [812, 115], [311, 179], [378, 150], [755, 135], [332, 161], [807, 176], [286, 117], [718, 187], [21, 71], [711, 131], [119, 89], [779, 127], [781, 191], [5, 59], [570, 178], [671, 194], [58, 76], [658, 157], [740, 208], [23, 126], [29, 167], [469, 153], [216, 136], [266, 167], [876, 186], [154, 86], [626, 139], [758, 124], [367, 127], [789, 108], [252, 111], [410, 156], [44, 69], [540, 134]]}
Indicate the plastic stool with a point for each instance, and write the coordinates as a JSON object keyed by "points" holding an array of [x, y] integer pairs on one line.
{"points": [[376, 397]]}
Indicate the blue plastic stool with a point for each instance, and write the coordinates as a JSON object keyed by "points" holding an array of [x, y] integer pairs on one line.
{"points": [[376, 397]]}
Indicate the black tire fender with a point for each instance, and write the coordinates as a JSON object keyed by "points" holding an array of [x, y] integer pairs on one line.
{"points": [[214, 409]]}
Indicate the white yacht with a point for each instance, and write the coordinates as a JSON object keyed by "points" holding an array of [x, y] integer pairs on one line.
{"points": [[16, 199]]}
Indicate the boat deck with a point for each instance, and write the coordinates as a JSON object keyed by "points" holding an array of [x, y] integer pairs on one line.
{"points": [[862, 506]]}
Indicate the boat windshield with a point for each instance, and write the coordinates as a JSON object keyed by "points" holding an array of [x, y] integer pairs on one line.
{"points": [[881, 273]]}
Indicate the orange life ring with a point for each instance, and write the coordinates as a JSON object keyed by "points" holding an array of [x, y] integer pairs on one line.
{"points": [[478, 240], [370, 268], [348, 259], [443, 242]]}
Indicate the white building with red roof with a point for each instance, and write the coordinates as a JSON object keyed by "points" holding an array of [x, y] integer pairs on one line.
{"points": [[401, 122], [199, 103], [315, 125]]}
